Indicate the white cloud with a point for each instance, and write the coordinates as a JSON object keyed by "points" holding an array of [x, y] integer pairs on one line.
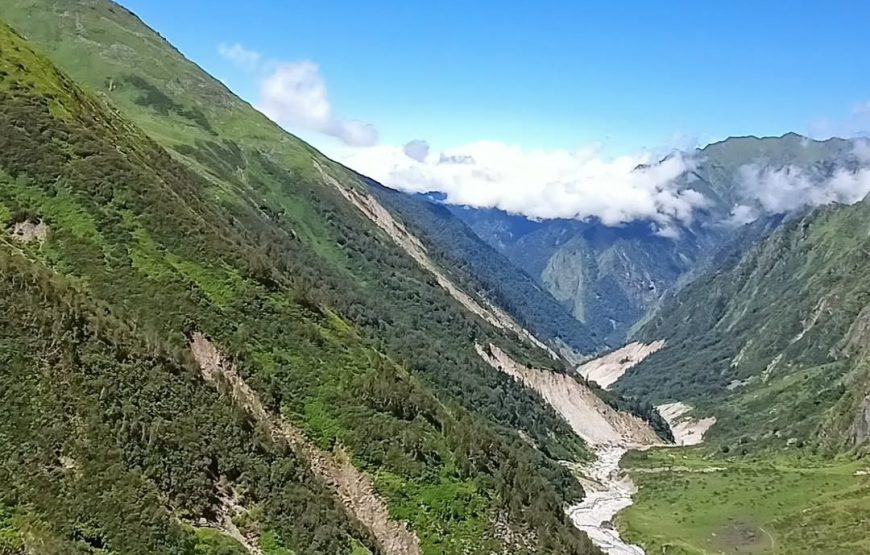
{"points": [[240, 55], [294, 95], [743, 214], [416, 150], [543, 184], [861, 109], [782, 190]]}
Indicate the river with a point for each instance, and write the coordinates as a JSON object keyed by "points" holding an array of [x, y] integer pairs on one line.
{"points": [[608, 491]]}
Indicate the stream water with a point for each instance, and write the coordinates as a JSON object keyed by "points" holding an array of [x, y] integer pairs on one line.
{"points": [[608, 491]]}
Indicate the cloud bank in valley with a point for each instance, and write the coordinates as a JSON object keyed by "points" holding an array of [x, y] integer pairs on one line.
{"points": [[541, 184], [294, 95]]}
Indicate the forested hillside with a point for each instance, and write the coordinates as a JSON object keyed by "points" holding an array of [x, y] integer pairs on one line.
{"points": [[126, 249], [773, 341], [479, 266]]}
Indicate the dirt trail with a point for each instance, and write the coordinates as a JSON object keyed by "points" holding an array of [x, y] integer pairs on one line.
{"points": [[382, 217], [591, 418], [352, 487], [605, 370]]}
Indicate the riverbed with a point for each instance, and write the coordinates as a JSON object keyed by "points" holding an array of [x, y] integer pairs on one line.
{"points": [[608, 491]]}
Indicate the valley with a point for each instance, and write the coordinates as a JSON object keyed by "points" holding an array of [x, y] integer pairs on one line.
{"points": [[217, 339]]}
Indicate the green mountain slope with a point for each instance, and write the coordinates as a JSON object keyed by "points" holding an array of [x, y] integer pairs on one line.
{"points": [[195, 116], [233, 232], [481, 268], [774, 341]]}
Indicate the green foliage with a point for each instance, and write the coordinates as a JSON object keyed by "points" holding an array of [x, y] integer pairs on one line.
{"points": [[107, 430], [212, 542], [770, 340], [691, 503], [330, 322], [480, 268]]}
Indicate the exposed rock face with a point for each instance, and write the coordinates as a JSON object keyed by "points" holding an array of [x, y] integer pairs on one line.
{"points": [[352, 487], [605, 370], [686, 430], [861, 427], [564, 279], [28, 231], [591, 418]]}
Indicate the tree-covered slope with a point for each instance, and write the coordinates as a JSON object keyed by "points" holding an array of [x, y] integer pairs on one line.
{"points": [[337, 330], [111, 442], [480, 268], [773, 341]]}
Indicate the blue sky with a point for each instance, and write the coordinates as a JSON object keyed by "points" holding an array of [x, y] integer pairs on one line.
{"points": [[545, 108], [551, 74]]}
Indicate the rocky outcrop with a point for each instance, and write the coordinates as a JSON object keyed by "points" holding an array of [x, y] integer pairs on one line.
{"points": [[861, 426], [353, 488], [29, 231]]}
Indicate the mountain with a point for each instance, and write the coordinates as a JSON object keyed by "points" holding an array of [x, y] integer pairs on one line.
{"points": [[482, 269], [773, 340], [215, 339], [610, 278], [769, 350]]}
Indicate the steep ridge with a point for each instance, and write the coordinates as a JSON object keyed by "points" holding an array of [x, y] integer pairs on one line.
{"points": [[781, 364], [479, 267], [379, 215], [292, 281], [266, 179]]}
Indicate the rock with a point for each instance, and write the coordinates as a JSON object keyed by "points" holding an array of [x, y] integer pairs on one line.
{"points": [[28, 231], [861, 426]]}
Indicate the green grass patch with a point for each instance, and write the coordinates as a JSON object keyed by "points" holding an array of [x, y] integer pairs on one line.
{"points": [[213, 542], [448, 514], [689, 503]]}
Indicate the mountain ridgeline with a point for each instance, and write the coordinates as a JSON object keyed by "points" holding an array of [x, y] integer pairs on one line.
{"points": [[773, 341], [611, 278]]}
